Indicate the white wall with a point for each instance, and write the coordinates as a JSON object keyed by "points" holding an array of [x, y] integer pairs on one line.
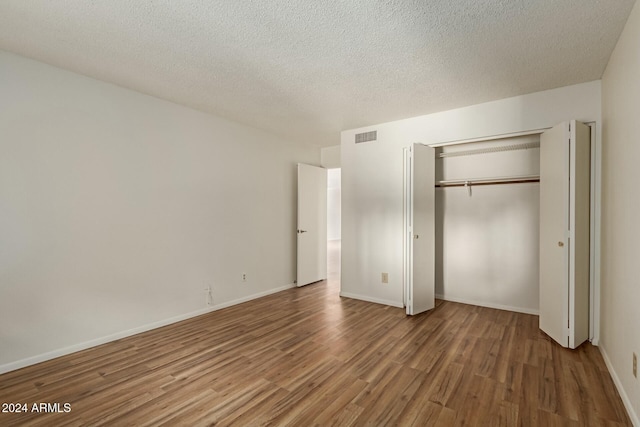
{"points": [[372, 175], [330, 157], [333, 204], [620, 321], [117, 209]]}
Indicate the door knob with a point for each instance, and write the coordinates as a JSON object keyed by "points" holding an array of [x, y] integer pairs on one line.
{"points": [[302, 231], [417, 236], [561, 244]]}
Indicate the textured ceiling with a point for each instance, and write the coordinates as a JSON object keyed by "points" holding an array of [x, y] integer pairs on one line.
{"points": [[307, 70]]}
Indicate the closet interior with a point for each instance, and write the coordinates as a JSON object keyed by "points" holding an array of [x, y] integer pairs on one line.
{"points": [[487, 223]]}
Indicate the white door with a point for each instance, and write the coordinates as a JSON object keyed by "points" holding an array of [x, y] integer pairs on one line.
{"points": [[579, 205], [312, 224], [419, 229], [554, 226], [564, 233]]}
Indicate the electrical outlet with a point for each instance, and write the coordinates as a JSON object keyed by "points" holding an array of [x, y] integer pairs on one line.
{"points": [[385, 277], [244, 277], [208, 295], [635, 365]]}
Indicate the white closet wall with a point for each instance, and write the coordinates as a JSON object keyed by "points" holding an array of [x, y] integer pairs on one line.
{"points": [[487, 243]]}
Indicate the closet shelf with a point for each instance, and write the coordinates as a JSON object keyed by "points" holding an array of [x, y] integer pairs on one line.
{"points": [[512, 147]]}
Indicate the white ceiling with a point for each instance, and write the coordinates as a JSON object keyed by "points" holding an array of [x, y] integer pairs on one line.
{"points": [[306, 69]]}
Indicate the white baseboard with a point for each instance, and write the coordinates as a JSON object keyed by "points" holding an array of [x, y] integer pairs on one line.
{"points": [[623, 394], [370, 299], [12, 366], [489, 305]]}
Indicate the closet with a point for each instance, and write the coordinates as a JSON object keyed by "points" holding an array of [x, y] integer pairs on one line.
{"points": [[497, 204]]}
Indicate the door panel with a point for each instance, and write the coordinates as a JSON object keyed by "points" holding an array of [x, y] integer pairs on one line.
{"points": [[580, 206], [312, 224], [421, 293], [554, 224]]}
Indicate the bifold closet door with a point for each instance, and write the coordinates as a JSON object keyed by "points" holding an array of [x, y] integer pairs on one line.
{"points": [[420, 229], [564, 233]]}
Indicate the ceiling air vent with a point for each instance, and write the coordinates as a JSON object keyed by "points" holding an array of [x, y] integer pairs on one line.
{"points": [[366, 136]]}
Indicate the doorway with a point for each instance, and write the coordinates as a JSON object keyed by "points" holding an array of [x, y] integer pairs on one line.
{"points": [[334, 230]]}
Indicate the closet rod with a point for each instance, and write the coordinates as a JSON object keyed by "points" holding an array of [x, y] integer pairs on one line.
{"points": [[488, 181]]}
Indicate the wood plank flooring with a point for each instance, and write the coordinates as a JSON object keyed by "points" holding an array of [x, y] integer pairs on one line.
{"points": [[308, 357]]}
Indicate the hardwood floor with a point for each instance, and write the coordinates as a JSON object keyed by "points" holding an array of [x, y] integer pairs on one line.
{"points": [[308, 357]]}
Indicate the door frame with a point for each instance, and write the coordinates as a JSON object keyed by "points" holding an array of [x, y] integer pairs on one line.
{"points": [[407, 219]]}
